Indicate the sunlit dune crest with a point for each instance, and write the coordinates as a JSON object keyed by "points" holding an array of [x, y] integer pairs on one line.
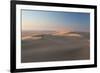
{"points": [[31, 37], [36, 38], [60, 33], [35, 34], [66, 33], [26, 37], [75, 35]]}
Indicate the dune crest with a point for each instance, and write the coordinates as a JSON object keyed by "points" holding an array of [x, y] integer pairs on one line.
{"points": [[73, 34], [31, 37], [67, 34]]}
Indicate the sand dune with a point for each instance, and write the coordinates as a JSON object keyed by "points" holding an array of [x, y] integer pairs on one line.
{"points": [[26, 37], [67, 34], [75, 35], [30, 37], [55, 46]]}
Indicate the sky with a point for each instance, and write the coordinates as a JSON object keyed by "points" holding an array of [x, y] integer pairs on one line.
{"points": [[55, 21]]}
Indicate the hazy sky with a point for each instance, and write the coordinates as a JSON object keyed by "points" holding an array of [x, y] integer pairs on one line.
{"points": [[56, 21]]}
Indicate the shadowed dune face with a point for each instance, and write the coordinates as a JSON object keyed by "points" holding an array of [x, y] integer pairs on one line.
{"points": [[54, 46]]}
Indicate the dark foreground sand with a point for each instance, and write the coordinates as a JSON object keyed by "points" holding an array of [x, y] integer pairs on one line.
{"points": [[55, 48]]}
